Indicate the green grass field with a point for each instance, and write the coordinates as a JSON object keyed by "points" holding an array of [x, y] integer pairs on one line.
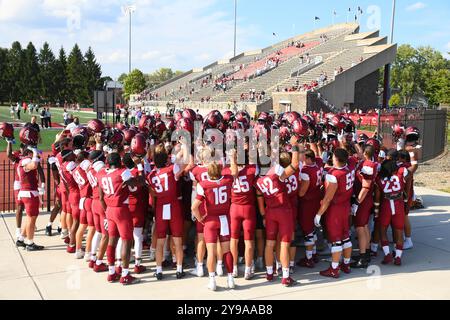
{"points": [[57, 115], [48, 136]]}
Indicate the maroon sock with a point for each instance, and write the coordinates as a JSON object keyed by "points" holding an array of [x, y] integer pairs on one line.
{"points": [[399, 246], [111, 255], [384, 243], [228, 258]]}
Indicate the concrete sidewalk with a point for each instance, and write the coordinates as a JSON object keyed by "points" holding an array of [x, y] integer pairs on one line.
{"points": [[53, 274]]}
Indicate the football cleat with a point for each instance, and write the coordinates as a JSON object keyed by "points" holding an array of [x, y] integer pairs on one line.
{"points": [[67, 240], [306, 263], [398, 261], [113, 277], [230, 282], [79, 254], [181, 275], [21, 243], [269, 277], [129, 279], [387, 259], [100, 268], [330, 273], [139, 269], [249, 276], [70, 249], [48, 231], [212, 284], [288, 282], [361, 263], [345, 268], [34, 247], [159, 276], [91, 264]]}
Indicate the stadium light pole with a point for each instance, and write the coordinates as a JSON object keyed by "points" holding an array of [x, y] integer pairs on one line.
{"points": [[129, 11], [235, 26], [387, 71]]}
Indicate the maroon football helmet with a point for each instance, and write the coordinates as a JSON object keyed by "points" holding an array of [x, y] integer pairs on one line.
{"points": [[29, 136], [177, 116], [300, 128], [398, 131], [171, 125], [138, 145], [128, 135], [185, 124], [228, 116], [362, 138], [375, 144], [160, 127], [146, 122], [115, 138], [285, 133], [190, 114], [412, 133], [6, 130], [95, 126], [338, 122]]}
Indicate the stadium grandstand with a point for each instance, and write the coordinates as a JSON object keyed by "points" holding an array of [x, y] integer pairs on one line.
{"points": [[325, 69]]}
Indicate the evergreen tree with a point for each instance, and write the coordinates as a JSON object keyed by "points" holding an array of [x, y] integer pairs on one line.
{"points": [[93, 74], [76, 77], [60, 77], [47, 67], [30, 76], [4, 82], [14, 71]]}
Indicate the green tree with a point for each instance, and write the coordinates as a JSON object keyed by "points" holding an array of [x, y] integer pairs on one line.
{"points": [[122, 78], [93, 74], [76, 77], [405, 72], [134, 83], [14, 71], [159, 76], [395, 100], [30, 82], [4, 81], [60, 77], [47, 67]]}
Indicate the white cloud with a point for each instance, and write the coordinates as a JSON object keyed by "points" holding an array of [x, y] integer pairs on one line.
{"points": [[178, 34], [416, 6]]}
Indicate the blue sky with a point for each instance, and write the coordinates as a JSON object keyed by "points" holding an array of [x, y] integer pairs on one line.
{"points": [[192, 33]]}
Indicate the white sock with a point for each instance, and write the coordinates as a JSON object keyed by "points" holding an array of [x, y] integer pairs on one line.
{"points": [[137, 261], [346, 261], [309, 255], [125, 272], [98, 262], [212, 275], [95, 242], [248, 270], [152, 250], [174, 259], [398, 253], [219, 262], [269, 270], [314, 250], [18, 233], [118, 263], [291, 263], [199, 265], [235, 269], [158, 269], [278, 265], [111, 270], [386, 250], [119, 248], [374, 247], [408, 239], [285, 273], [179, 268], [93, 257], [335, 265]]}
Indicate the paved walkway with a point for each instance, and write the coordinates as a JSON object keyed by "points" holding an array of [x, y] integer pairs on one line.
{"points": [[53, 274]]}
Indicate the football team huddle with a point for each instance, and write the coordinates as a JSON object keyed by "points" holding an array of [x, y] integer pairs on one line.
{"points": [[124, 189]]}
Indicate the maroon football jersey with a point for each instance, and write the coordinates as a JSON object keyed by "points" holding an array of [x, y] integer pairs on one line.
{"points": [[112, 182], [67, 170], [312, 173], [273, 189], [163, 182], [28, 179], [216, 194], [344, 178], [80, 177], [138, 194], [243, 192]]}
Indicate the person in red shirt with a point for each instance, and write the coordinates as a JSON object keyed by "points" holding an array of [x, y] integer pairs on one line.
{"points": [[15, 158], [101, 238], [275, 207], [168, 211], [363, 205], [215, 192], [80, 176], [200, 173], [310, 193], [138, 204], [391, 183], [68, 167], [29, 195], [336, 207], [243, 215], [114, 193]]}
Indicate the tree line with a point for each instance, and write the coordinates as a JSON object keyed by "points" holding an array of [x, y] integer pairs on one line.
{"points": [[420, 71], [137, 81], [32, 76]]}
